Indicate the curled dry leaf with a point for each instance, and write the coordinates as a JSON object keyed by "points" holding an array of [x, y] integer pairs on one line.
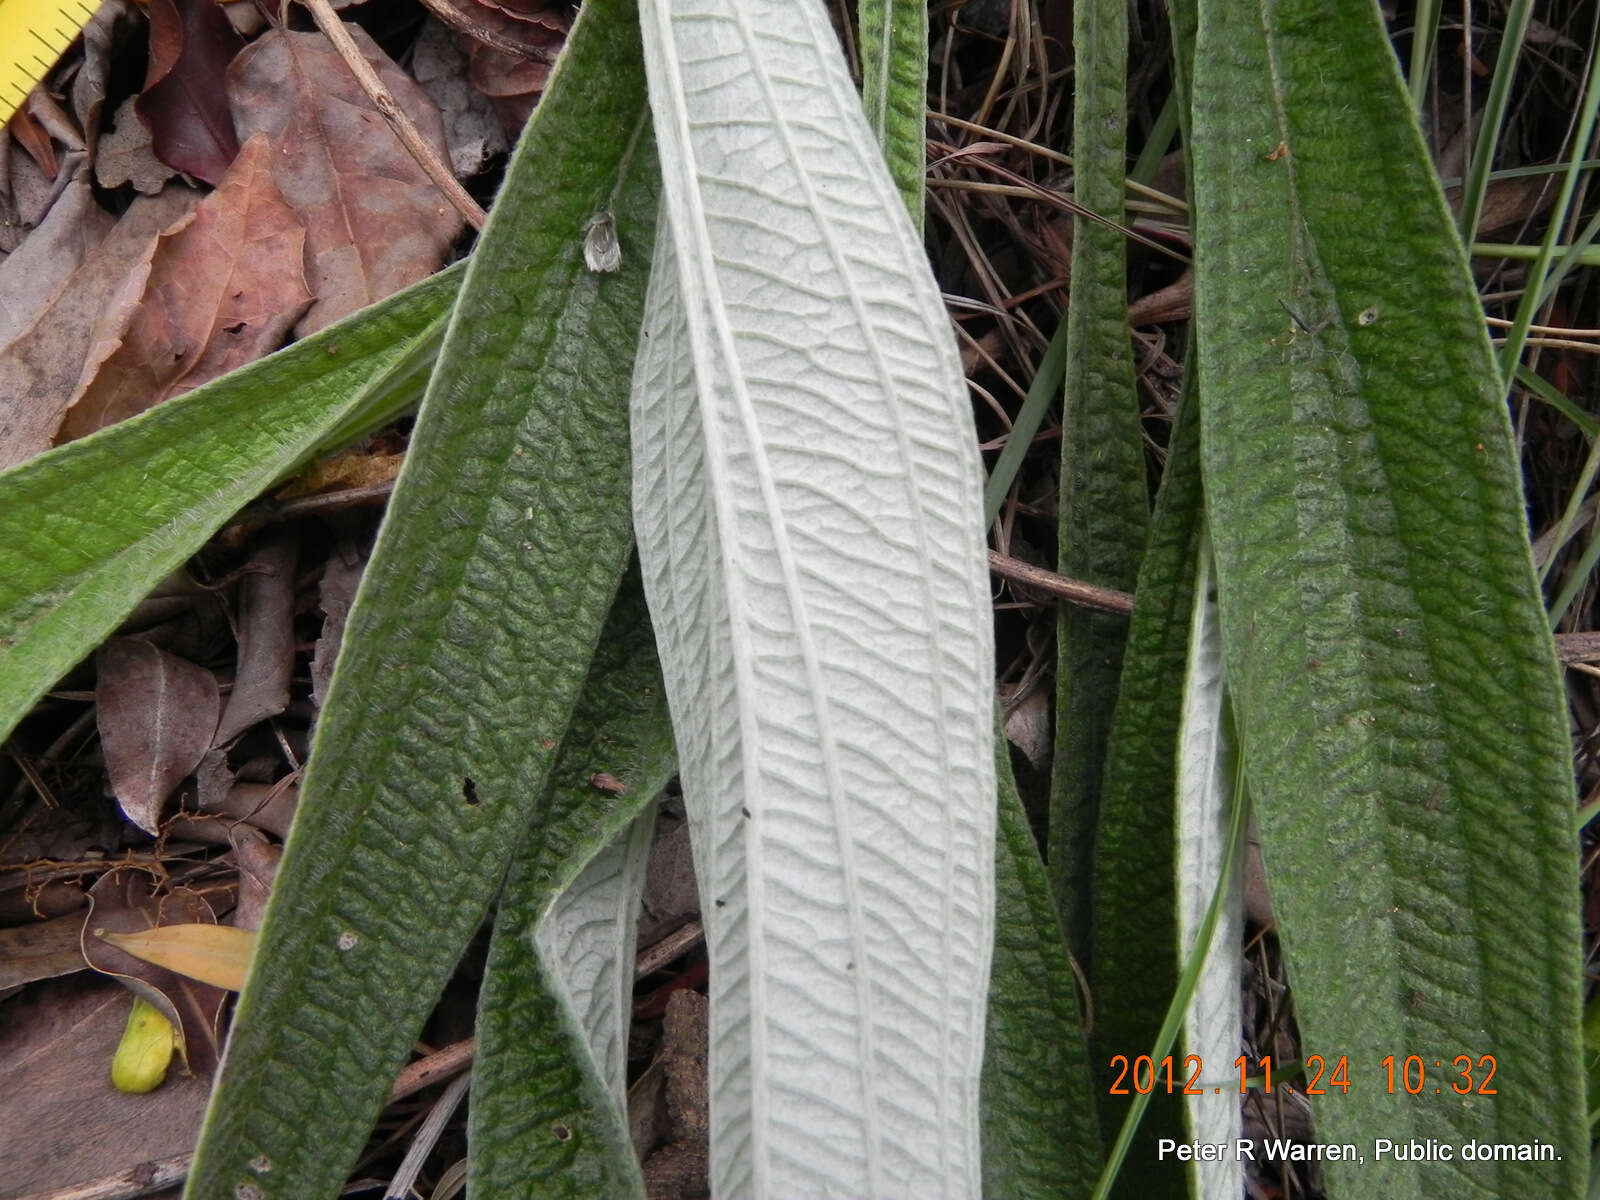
{"points": [[374, 222], [32, 276], [257, 859], [40, 367], [112, 22], [184, 104], [124, 902], [266, 639], [156, 714], [335, 595], [218, 291]]}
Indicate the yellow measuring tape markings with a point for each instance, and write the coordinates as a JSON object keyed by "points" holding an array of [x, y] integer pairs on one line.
{"points": [[33, 35]]}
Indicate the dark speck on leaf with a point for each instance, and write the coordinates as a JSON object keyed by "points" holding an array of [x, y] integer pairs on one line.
{"points": [[469, 791]]}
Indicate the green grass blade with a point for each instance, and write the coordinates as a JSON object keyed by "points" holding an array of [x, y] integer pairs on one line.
{"points": [[87, 530], [1041, 395], [1188, 980], [1104, 501], [1135, 918], [1476, 184], [536, 1074], [1424, 32], [894, 90], [468, 643], [1394, 682], [1541, 281], [1040, 1139]]}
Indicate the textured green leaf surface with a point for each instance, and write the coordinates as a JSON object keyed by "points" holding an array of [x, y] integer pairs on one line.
{"points": [[894, 90], [466, 648], [1039, 1134], [1104, 501], [1395, 686], [87, 530], [1135, 923], [545, 1121]]}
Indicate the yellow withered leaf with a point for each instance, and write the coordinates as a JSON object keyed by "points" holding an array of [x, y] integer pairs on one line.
{"points": [[214, 954]]}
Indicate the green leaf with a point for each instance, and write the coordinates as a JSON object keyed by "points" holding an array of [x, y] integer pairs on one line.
{"points": [[87, 530], [894, 91], [469, 640], [1104, 499], [1040, 1138], [809, 510], [1135, 918], [545, 1119], [1398, 703]]}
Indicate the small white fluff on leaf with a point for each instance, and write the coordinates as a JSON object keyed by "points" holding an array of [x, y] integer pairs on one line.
{"points": [[808, 507]]}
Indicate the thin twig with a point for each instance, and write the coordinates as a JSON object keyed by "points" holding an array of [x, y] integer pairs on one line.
{"points": [[433, 1068], [652, 958], [1074, 591], [333, 29], [459, 21]]}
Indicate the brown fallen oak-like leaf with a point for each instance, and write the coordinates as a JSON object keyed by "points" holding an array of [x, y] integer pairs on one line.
{"points": [[220, 290], [123, 901], [184, 104], [156, 714], [374, 221]]}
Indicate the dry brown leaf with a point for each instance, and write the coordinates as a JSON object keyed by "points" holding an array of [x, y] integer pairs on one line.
{"points": [[374, 222], [64, 1123], [220, 290], [335, 594], [183, 102], [257, 860], [126, 155], [156, 714], [214, 954], [40, 367], [471, 127], [112, 22], [266, 639], [124, 902], [33, 275], [40, 950], [353, 468]]}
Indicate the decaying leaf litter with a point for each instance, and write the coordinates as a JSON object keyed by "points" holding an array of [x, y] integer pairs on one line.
{"points": [[196, 186]]}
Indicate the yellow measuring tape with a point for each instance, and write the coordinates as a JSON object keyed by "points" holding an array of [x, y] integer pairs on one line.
{"points": [[33, 35]]}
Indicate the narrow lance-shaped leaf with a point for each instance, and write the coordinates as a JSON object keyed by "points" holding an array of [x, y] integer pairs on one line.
{"points": [[545, 1116], [87, 530], [894, 91], [1394, 683], [466, 647], [809, 516], [1040, 1138], [1205, 802], [1104, 503], [1135, 916]]}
